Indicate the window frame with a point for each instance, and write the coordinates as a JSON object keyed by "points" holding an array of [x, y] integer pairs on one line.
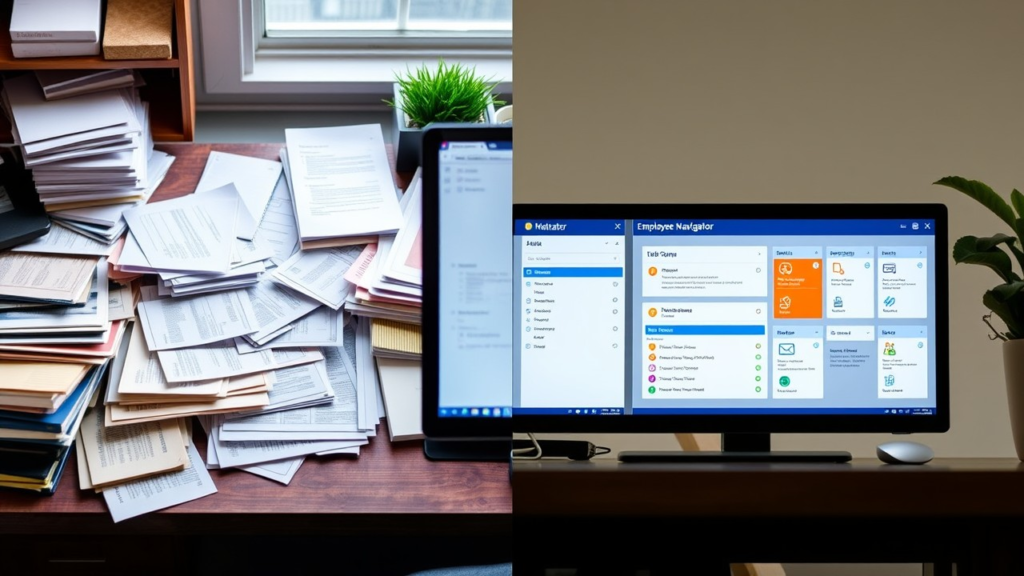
{"points": [[237, 60]]}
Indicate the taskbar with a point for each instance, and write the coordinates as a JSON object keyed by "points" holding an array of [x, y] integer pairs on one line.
{"points": [[475, 412], [590, 411]]}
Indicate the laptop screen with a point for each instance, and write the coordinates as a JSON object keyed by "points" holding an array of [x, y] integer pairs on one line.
{"points": [[475, 279], [770, 316]]}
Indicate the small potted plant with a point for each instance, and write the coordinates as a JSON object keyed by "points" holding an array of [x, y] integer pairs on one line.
{"points": [[449, 93], [1006, 300]]}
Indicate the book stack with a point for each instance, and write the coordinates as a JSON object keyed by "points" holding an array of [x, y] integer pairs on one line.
{"points": [[42, 28], [88, 150]]}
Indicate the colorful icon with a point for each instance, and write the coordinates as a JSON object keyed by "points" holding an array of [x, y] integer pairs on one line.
{"points": [[652, 378], [529, 226], [651, 390], [785, 268], [920, 344], [784, 381], [889, 301], [890, 349], [757, 378], [652, 357], [816, 344], [757, 357], [758, 345], [758, 367], [890, 380], [889, 268], [837, 268], [652, 312], [787, 349], [651, 368], [757, 388], [486, 411], [837, 302], [652, 271], [784, 303]]}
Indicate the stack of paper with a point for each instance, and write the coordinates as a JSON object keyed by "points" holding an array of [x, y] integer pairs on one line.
{"points": [[388, 276], [88, 150], [34, 444], [342, 187], [396, 340], [42, 28]]}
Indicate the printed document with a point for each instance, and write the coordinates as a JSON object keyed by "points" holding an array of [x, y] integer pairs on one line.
{"points": [[159, 492], [141, 375], [123, 453], [277, 306], [254, 178], [321, 327], [277, 229], [341, 182], [60, 240], [187, 234], [222, 360], [60, 279], [320, 274], [195, 320]]}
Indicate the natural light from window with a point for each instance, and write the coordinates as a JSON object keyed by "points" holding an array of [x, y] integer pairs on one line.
{"points": [[340, 17]]}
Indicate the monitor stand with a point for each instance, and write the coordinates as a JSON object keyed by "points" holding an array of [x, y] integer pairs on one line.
{"points": [[483, 450], [737, 448]]}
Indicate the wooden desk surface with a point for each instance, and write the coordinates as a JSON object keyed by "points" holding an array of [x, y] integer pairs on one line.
{"points": [[390, 488], [864, 488]]}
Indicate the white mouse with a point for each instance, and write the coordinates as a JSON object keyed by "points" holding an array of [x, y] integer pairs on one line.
{"points": [[904, 453]]}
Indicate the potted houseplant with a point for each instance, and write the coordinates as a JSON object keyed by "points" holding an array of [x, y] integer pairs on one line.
{"points": [[448, 93], [1005, 300]]}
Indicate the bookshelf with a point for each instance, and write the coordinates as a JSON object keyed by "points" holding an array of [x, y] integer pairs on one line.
{"points": [[170, 84]]}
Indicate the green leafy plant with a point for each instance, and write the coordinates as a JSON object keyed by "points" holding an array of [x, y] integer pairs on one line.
{"points": [[998, 253], [451, 93]]}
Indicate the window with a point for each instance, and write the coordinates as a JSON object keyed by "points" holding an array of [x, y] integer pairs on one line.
{"points": [[348, 49], [334, 18]]}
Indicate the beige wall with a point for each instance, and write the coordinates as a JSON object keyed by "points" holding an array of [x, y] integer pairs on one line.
{"points": [[786, 101]]}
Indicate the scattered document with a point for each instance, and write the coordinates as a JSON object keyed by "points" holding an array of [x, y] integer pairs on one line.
{"points": [[281, 471], [222, 360], [321, 327], [195, 320], [122, 453], [320, 274], [277, 306], [341, 182], [159, 492], [61, 240], [187, 234], [254, 178], [277, 228]]}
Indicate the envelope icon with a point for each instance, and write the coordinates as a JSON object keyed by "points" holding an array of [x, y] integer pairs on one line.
{"points": [[787, 349]]}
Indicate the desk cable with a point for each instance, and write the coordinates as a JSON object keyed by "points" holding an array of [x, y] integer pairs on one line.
{"points": [[571, 449]]}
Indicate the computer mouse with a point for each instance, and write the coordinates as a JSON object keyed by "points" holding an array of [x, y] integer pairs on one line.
{"points": [[904, 452]]}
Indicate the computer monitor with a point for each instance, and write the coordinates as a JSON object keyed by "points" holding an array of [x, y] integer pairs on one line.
{"points": [[467, 291], [740, 319]]}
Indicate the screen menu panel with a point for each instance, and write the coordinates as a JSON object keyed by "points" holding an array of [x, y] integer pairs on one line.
{"points": [[724, 317]]}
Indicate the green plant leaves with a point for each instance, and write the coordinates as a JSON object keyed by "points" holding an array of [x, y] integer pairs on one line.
{"points": [[983, 194], [968, 250], [451, 93], [1007, 302], [1018, 203]]}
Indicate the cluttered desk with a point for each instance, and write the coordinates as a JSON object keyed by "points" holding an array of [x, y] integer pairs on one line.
{"points": [[361, 482]]}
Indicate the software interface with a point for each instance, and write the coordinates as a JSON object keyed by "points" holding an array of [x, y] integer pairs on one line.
{"points": [[475, 279], [724, 317]]}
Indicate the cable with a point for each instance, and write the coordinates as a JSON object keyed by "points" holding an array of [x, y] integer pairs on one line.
{"points": [[535, 448]]}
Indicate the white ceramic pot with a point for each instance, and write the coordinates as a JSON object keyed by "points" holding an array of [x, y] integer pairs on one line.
{"points": [[1013, 365]]}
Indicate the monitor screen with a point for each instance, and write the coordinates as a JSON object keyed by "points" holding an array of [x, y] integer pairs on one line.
{"points": [[474, 290], [677, 313]]}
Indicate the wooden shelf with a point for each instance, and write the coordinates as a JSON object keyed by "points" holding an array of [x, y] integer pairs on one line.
{"points": [[170, 88]]}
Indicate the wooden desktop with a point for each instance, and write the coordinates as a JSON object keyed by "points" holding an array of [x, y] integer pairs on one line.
{"points": [[963, 511], [390, 491]]}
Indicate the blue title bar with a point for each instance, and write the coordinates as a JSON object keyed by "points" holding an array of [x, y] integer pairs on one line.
{"points": [[570, 227], [877, 227]]}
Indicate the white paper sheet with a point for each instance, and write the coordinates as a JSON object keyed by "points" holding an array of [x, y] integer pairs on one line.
{"points": [[320, 274], [196, 320], [222, 360], [233, 454], [303, 384], [254, 178], [281, 471], [60, 240], [277, 306], [187, 234], [277, 229], [321, 327], [341, 182], [159, 492]]}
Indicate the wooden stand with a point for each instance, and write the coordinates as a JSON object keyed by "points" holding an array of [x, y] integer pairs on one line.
{"points": [[170, 84]]}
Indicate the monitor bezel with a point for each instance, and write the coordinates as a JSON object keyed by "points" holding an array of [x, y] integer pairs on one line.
{"points": [[724, 423], [435, 426]]}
